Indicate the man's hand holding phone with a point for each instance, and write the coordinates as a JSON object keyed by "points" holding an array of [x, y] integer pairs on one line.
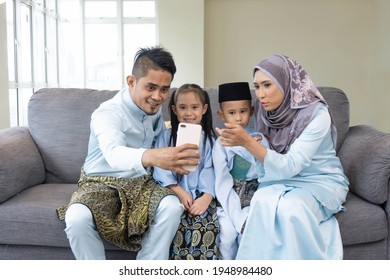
{"points": [[181, 159], [172, 158], [189, 133]]}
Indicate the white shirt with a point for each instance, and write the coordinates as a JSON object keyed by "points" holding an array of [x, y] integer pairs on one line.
{"points": [[120, 133]]}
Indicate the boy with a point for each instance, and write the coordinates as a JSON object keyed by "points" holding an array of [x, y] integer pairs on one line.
{"points": [[236, 170]]}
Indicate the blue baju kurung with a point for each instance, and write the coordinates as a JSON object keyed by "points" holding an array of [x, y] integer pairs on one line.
{"points": [[292, 212], [197, 236]]}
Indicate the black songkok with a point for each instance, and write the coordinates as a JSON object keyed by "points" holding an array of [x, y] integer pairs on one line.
{"points": [[234, 91]]}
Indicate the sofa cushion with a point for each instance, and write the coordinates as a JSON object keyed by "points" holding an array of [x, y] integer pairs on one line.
{"points": [[362, 222], [59, 120], [31, 219], [339, 108], [21, 165], [31, 252], [365, 156], [213, 94]]}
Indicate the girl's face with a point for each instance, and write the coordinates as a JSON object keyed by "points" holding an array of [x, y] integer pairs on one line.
{"points": [[189, 108], [267, 91]]}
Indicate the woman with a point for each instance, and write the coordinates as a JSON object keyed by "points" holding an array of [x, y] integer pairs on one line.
{"points": [[303, 186]]}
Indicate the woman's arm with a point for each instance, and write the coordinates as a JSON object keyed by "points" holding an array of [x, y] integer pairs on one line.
{"points": [[235, 135], [281, 166], [302, 151]]}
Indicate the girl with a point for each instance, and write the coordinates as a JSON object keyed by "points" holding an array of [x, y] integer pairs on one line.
{"points": [[199, 228]]}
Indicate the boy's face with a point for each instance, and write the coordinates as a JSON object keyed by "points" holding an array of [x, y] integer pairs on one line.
{"points": [[238, 112], [150, 92]]}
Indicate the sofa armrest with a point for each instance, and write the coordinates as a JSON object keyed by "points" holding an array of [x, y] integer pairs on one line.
{"points": [[365, 156], [21, 165]]}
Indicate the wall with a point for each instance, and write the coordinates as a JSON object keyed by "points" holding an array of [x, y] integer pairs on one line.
{"points": [[181, 31], [341, 43], [378, 96], [4, 102]]}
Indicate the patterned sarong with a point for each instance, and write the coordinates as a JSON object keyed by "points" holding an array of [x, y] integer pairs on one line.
{"points": [[244, 189], [122, 208], [197, 236]]}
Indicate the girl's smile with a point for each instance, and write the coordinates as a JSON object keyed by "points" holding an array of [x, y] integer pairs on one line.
{"points": [[189, 108]]}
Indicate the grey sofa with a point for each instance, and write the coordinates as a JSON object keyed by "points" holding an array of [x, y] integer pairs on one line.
{"points": [[40, 166]]}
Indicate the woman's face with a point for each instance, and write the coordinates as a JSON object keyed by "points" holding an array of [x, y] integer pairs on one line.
{"points": [[267, 91]]}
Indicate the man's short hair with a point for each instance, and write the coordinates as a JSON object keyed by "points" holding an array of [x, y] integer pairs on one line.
{"points": [[156, 58]]}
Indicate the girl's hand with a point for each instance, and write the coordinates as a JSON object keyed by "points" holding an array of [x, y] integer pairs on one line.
{"points": [[186, 200], [184, 197], [200, 204]]}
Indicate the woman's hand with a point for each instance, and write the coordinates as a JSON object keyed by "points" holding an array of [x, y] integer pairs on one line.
{"points": [[233, 135]]}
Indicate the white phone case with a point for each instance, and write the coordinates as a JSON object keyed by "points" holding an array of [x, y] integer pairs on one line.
{"points": [[189, 133]]}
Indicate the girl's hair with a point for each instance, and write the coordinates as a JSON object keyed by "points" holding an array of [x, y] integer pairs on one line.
{"points": [[207, 119]]}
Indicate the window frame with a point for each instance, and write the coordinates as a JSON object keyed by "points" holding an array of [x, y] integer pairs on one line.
{"points": [[52, 50]]}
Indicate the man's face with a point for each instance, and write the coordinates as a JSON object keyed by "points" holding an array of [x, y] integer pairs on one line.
{"points": [[150, 92]]}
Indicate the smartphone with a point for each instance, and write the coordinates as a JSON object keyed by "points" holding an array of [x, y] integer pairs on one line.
{"points": [[189, 133]]}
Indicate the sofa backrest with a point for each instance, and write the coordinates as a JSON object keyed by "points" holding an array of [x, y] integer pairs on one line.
{"points": [[59, 120], [339, 108]]}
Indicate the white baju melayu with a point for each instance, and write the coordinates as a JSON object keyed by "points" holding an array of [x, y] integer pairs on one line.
{"points": [[231, 215], [120, 133], [292, 212]]}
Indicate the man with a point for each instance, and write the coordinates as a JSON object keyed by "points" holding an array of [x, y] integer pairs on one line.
{"points": [[117, 198]]}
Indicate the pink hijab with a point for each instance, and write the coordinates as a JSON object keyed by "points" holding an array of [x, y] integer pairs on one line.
{"points": [[301, 101]]}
